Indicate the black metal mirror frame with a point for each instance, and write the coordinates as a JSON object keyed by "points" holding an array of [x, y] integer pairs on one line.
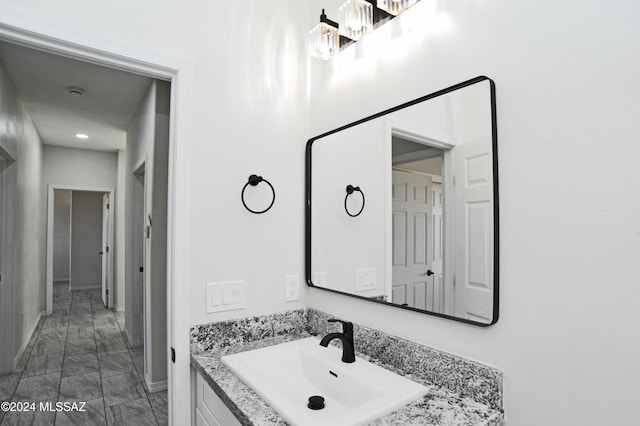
{"points": [[496, 245]]}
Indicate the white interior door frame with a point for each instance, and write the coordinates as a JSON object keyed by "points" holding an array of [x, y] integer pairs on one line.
{"points": [[50, 208], [107, 251], [142, 302], [7, 282], [55, 39], [429, 137]]}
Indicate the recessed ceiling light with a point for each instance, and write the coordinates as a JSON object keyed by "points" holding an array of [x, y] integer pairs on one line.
{"points": [[82, 136], [75, 91]]}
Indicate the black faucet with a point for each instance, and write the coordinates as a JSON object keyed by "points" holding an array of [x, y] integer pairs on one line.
{"points": [[346, 337]]}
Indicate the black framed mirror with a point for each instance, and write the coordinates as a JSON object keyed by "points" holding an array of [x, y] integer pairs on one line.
{"points": [[427, 238]]}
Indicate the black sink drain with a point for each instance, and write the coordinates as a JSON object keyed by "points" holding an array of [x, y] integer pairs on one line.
{"points": [[316, 402]]}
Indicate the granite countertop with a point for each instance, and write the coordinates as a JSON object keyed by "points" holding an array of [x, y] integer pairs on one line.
{"points": [[441, 406]]}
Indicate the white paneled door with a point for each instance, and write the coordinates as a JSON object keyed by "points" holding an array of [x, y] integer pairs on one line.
{"points": [[412, 253], [474, 231], [437, 235]]}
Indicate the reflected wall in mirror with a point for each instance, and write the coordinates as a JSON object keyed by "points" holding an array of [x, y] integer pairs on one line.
{"points": [[427, 237]]}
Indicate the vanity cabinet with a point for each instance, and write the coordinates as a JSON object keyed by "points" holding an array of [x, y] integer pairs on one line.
{"points": [[208, 408]]}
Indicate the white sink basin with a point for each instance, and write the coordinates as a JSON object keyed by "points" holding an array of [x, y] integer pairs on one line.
{"points": [[286, 375]]}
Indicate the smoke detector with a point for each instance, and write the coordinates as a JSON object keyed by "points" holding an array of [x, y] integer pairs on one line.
{"points": [[75, 91]]}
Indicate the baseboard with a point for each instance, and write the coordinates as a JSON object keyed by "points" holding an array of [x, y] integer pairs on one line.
{"points": [[86, 287], [16, 360], [154, 386], [61, 280]]}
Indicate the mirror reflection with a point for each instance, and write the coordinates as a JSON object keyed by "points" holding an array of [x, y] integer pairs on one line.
{"points": [[425, 175]]}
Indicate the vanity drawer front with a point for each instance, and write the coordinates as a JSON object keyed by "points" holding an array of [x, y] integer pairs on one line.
{"points": [[209, 407]]}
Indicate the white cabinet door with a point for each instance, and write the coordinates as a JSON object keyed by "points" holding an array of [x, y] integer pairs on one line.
{"points": [[201, 420], [210, 410]]}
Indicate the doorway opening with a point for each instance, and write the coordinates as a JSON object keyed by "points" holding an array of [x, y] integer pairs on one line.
{"points": [[82, 241], [167, 69], [421, 188], [138, 337], [7, 194], [417, 225]]}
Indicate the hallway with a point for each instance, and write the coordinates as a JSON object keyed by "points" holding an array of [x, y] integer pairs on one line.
{"points": [[79, 354]]}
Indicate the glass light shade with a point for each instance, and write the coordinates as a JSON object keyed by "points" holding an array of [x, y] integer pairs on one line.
{"points": [[355, 18], [395, 7], [324, 41]]}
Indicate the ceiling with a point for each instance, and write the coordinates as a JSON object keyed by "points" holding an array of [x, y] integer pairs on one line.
{"points": [[103, 112]]}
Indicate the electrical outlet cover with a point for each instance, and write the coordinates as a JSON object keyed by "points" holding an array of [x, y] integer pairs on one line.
{"points": [[319, 279], [291, 288]]}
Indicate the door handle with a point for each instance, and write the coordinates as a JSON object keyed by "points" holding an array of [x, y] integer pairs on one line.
{"points": [[100, 252], [430, 272]]}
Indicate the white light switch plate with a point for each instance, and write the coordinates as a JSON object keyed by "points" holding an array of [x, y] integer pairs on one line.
{"points": [[225, 296], [366, 279]]}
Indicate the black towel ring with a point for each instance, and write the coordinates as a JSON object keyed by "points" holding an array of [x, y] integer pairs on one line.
{"points": [[350, 190], [253, 181]]}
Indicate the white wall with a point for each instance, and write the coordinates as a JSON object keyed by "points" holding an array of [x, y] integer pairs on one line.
{"points": [[158, 243], [251, 117], [80, 167], [61, 234], [86, 240], [567, 98], [120, 238], [357, 157], [19, 136], [148, 141], [140, 137]]}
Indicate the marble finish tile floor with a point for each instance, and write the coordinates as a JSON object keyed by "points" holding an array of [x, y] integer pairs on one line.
{"points": [[79, 354]]}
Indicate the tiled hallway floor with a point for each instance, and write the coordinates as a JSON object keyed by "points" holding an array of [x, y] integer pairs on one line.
{"points": [[79, 354]]}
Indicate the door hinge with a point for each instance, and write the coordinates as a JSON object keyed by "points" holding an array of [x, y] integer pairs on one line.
{"points": [[173, 355], [107, 249], [108, 206], [141, 269], [107, 292]]}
